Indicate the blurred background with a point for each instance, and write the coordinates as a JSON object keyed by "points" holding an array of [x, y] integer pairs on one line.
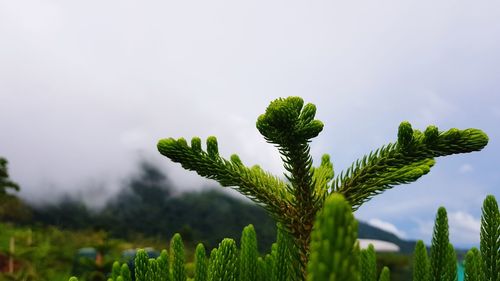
{"points": [[88, 88]]}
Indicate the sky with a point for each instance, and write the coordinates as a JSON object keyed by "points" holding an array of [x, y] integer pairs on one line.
{"points": [[87, 88]]}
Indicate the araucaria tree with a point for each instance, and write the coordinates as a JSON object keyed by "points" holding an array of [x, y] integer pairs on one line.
{"points": [[294, 201]]}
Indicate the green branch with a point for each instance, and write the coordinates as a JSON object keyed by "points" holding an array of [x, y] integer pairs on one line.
{"points": [[256, 184], [403, 162], [290, 125]]}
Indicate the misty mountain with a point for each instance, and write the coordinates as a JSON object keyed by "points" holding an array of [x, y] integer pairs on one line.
{"points": [[145, 206]]}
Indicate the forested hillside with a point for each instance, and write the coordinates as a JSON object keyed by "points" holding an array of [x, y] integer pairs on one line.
{"points": [[146, 206]]}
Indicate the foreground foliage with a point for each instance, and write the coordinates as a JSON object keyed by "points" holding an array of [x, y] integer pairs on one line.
{"points": [[335, 254], [40, 255]]}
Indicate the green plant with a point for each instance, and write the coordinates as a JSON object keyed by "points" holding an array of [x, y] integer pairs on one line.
{"points": [[125, 272], [164, 266], [115, 270], [421, 264], [201, 266], [439, 247], [479, 265], [224, 265], [473, 266], [283, 257], [385, 275], [451, 264], [368, 264], [490, 239], [178, 269], [141, 265], [153, 272], [249, 254], [290, 126], [335, 253]]}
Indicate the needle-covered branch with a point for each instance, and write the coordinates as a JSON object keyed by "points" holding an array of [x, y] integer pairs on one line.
{"points": [[322, 176], [408, 159], [290, 125], [254, 183]]}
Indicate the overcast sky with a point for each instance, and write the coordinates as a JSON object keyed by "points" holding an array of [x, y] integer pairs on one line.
{"points": [[87, 88]]}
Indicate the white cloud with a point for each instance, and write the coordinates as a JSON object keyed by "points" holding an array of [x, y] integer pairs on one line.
{"points": [[387, 226], [464, 228], [425, 227]]}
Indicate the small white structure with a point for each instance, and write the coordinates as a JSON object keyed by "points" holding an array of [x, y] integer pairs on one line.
{"points": [[379, 245]]}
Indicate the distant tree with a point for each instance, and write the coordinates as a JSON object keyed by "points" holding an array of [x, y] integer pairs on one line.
{"points": [[5, 182], [143, 196], [68, 213], [11, 207]]}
